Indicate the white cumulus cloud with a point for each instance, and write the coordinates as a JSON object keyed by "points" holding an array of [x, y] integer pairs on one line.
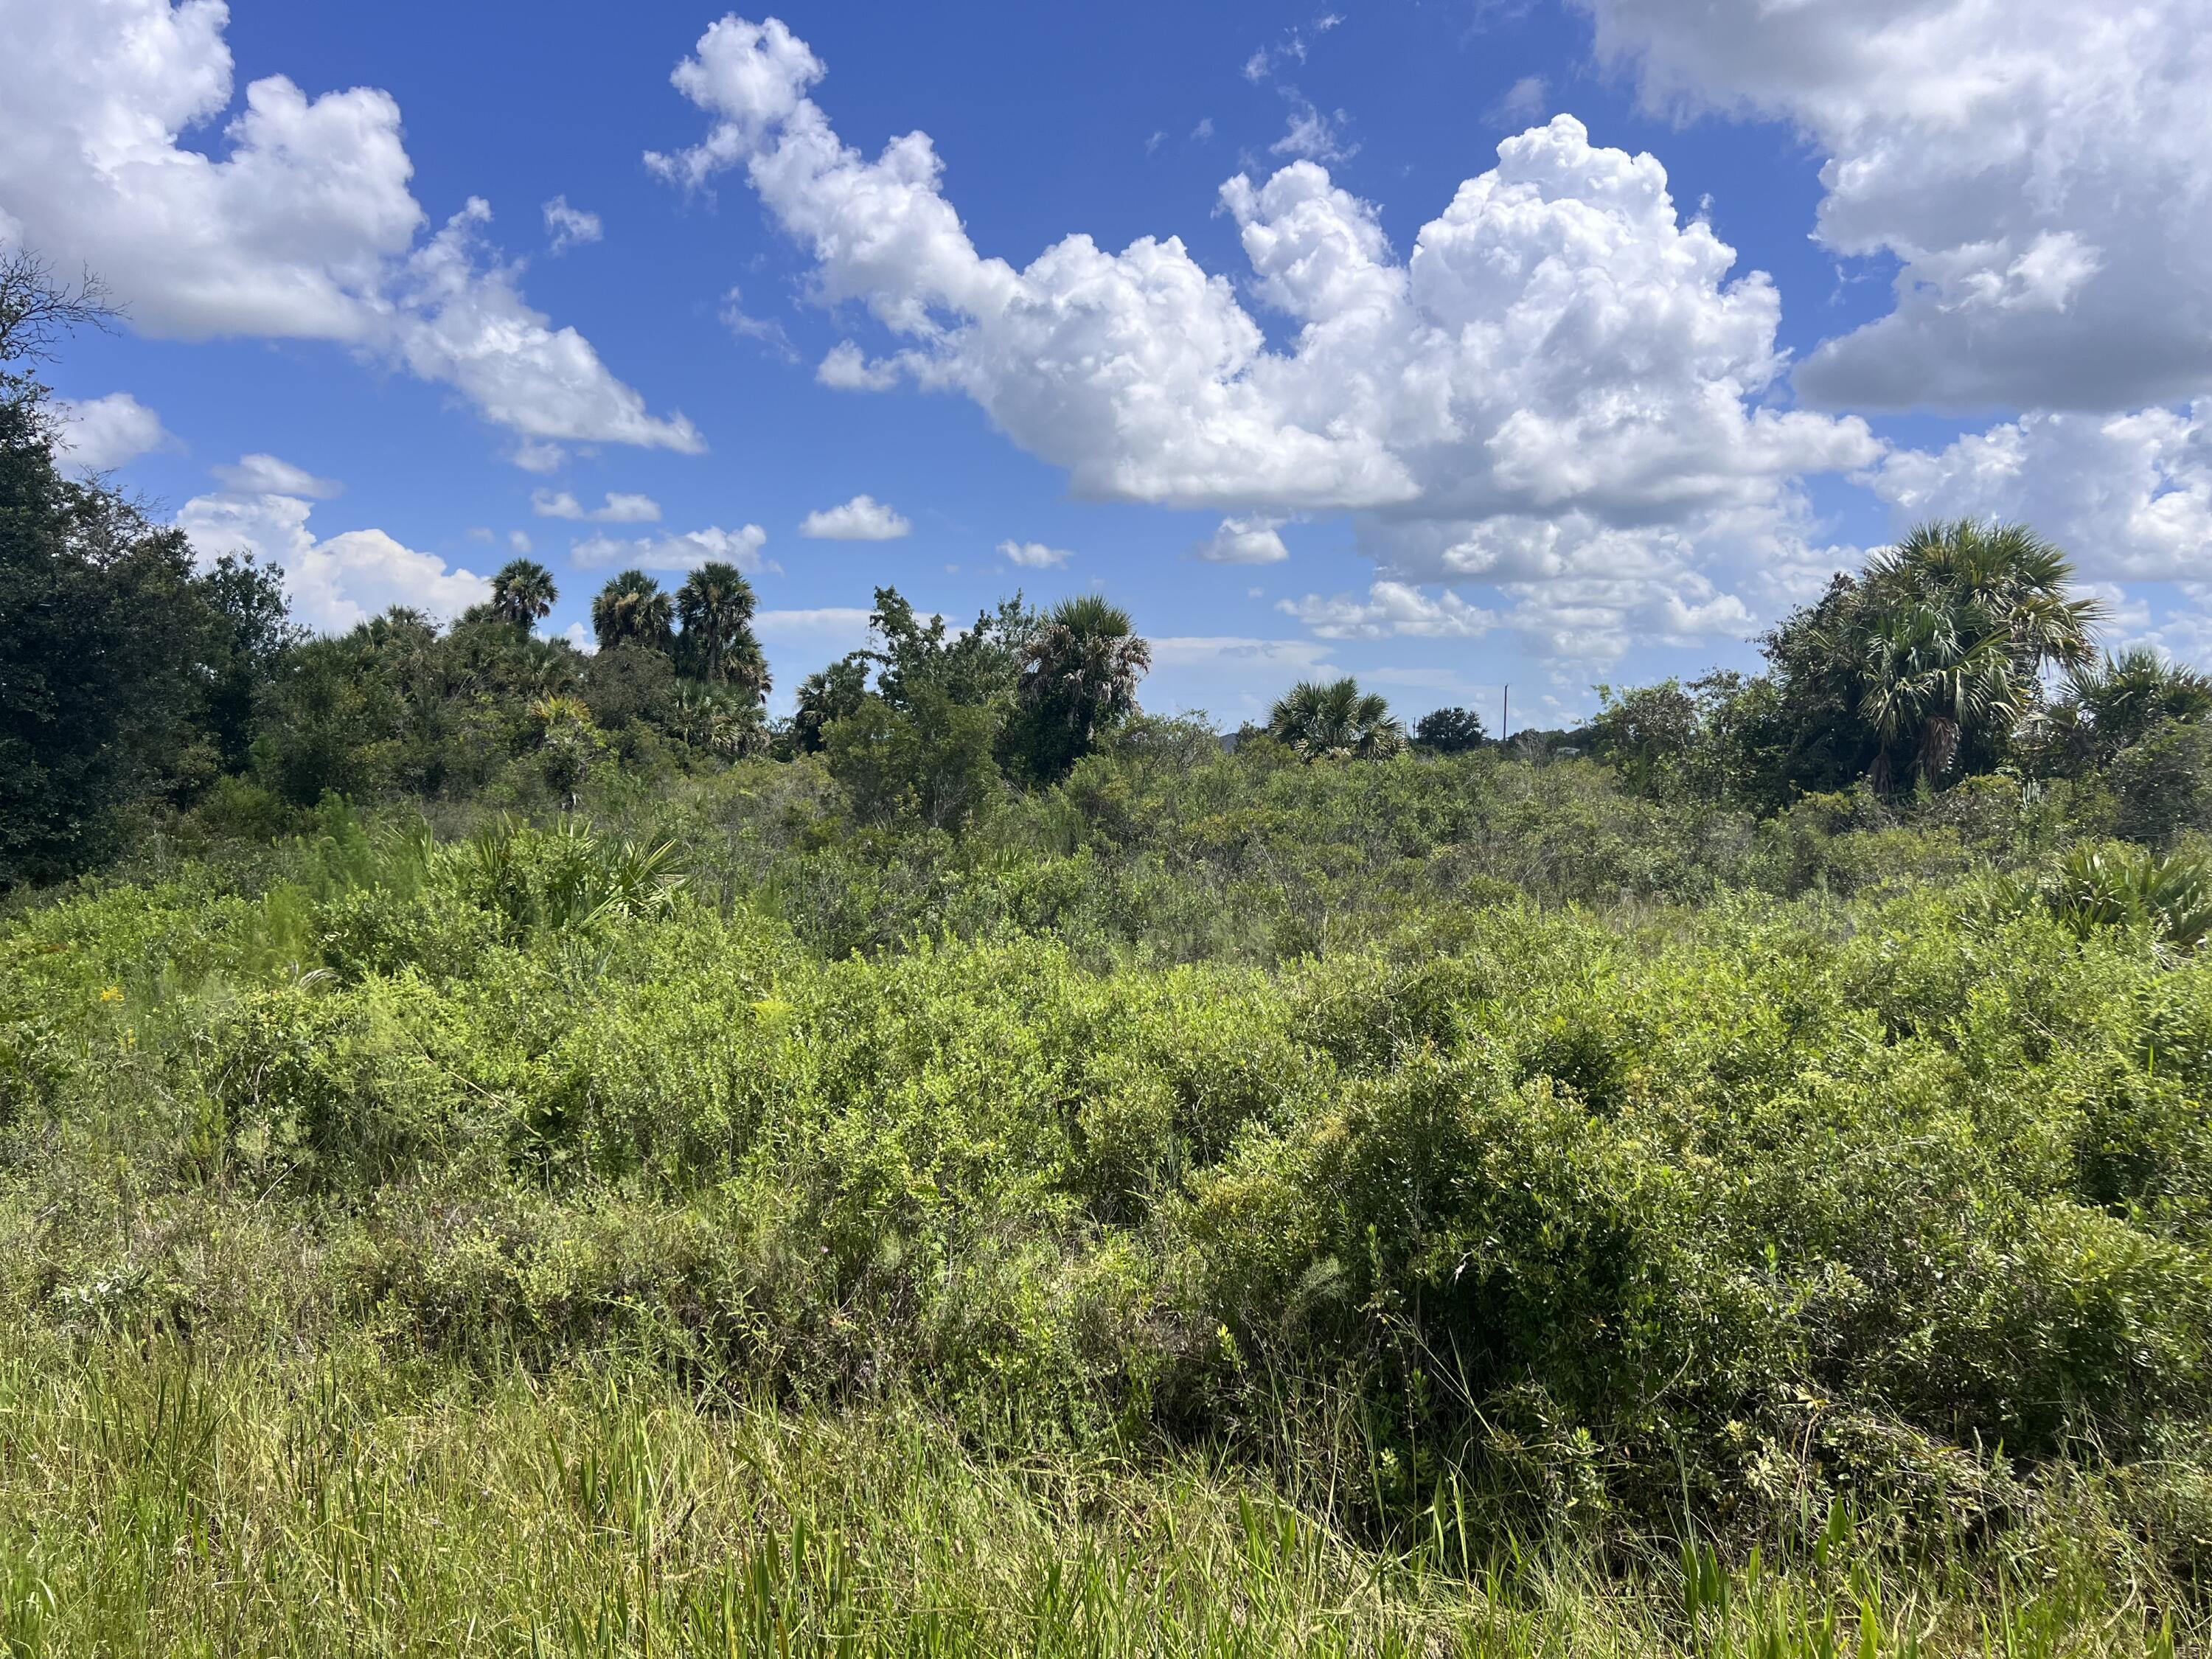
{"points": [[266, 475], [102, 433], [1392, 608], [285, 217], [863, 519], [619, 508], [1252, 540], [333, 582], [2130, 496], [1034, 556], [1558, 358], [687, 552], [2039, 169]]}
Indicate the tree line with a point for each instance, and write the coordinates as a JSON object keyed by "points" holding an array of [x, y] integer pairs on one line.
{"points": [[139, 682]]}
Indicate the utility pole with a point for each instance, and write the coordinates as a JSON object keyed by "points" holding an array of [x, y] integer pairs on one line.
{"points": [[1506, 719]]}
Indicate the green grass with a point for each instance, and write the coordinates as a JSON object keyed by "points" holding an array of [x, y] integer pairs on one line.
{"points": [[151, 1502]]}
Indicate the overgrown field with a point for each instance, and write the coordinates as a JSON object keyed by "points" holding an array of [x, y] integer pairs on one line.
{"points": [[1423, 1207]]}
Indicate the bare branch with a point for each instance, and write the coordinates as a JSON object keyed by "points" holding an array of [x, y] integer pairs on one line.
{"points": [[36, 311]]}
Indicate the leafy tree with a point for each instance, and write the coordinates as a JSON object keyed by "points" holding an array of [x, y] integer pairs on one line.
{"points": [[330, 721], [523, 593], [1449, 730], [631, 610], [627, 686], [977, 666], [252, 630], [931, 760], [1080, 666], [1335, 720], [715, 606], [112, 651]]}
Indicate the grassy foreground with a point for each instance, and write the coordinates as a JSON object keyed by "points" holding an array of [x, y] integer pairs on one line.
{"points": [[491, 1246], [151, 1504]]}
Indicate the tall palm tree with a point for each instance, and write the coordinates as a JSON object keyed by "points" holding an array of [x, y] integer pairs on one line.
{"points": [[523, 592], [715, 606], [1335, 720], [631, 610], [1079, 676], [1953, 632]]}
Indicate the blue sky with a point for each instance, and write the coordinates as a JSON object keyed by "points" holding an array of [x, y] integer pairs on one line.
{"points": [[1567, 441]]}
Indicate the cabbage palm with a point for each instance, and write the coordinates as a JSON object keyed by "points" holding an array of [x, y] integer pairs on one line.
{"points": [[1335, 720], [523, 592], [631, 610], [1954, 628], [2125, 697], [1079, 675], [715, 606]]}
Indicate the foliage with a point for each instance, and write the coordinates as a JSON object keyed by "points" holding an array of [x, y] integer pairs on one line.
{"points": [[632, 611], [523, 593], [1336, 720], [1930, 663], [1449, 730], [1080, 665], [715, 607]]}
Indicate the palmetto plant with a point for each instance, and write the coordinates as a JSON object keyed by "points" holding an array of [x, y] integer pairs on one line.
{"points": [[715, 607], [1082, 666], [1958, 623], [717, 720], [1335, 720], [631, 610], [2125, 697], [523, 592], [2120, 886]]}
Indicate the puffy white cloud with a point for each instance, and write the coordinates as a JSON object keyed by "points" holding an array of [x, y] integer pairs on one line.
{"points": [[1034, 556], [266, 475], [619, 508], [2129, 496], [102, 433], [1391, 608], [332, 583], [2039, 169], [463, 321], [518, 541], [1558, 349], [300, 225], [567, 226], [582, 638], [863, 519], [688, 551], [1250, 540]]}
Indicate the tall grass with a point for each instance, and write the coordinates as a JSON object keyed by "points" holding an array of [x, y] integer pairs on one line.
{"points": [[155, 1501]]}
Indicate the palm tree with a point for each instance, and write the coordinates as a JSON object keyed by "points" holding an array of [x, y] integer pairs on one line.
{"points": [[1079, 676], [2125, 697], [715, 606], [523, 592], [1951, 635], [1336, 720], [631, 610]]}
